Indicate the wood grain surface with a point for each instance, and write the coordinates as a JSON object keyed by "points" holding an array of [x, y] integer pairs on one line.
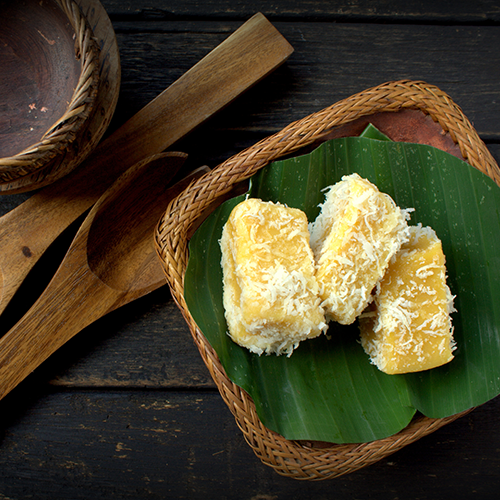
{"points": [[126, 409]]}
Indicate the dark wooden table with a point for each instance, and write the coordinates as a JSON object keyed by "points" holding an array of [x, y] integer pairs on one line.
{"points": [[127, 409]]}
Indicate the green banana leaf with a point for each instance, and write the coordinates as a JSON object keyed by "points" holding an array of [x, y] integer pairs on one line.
{"points": [[328, 390]]}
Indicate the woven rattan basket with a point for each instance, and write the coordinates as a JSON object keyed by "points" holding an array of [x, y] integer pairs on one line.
{"points": [[299, 460], [45, 152]]}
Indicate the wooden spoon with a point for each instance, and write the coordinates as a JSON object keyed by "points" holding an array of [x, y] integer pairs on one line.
{"points": [[243, 59], [111, 261]]}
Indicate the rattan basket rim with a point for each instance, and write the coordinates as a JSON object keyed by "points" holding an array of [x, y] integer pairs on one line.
{"points": [[301, 460], [62, 133]]}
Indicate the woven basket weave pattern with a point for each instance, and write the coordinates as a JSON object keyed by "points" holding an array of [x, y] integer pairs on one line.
{"points": [[64, 131], [309, 461]]}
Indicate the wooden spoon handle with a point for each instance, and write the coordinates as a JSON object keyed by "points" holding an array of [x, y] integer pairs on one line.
{"points": [[54, 319]]}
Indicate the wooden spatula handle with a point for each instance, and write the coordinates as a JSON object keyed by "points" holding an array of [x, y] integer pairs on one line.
{"points": [[243, 59]]}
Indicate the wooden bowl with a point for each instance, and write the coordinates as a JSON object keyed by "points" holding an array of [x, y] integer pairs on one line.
{"points": [[405, 111], [48, 84]]}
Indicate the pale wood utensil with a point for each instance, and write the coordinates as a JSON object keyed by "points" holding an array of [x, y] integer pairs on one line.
{"points": [[244, 58], [111, 261]]}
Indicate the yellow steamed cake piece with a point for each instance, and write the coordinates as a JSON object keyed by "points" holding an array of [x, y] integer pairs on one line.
{"points": [[357, 232], [271, 297], [409, 327]]}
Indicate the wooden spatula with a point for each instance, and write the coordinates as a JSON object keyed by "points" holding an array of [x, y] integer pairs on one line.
{"points": [[247, 56]]}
